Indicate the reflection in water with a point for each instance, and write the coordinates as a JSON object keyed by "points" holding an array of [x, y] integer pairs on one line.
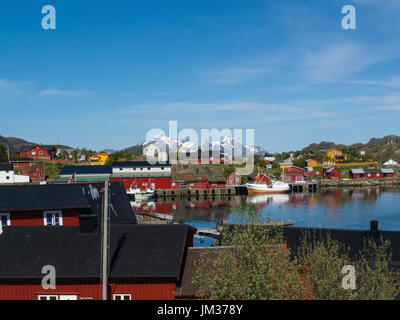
{"points": [[330, 207]]}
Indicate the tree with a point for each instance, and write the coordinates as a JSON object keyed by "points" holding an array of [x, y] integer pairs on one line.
{"points": [[250, 262], [3, 154]]}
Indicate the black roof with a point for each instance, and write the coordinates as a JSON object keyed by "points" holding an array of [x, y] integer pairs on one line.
{"points": [[69, 170], [134, 164], [354, 239], [88, 196], [136, 251], [21, 160], [6, 167], [120, 210], [32, 197]]}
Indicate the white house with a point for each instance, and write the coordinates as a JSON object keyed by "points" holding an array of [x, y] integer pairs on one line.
{"points": [[7, 175], [391, 162]]}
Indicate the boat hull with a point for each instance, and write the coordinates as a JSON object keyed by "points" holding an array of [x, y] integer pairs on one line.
{"points": [[267, 189]]}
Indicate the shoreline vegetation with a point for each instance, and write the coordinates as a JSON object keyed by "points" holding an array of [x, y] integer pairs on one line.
{"points": [[252, 262], [359, 182]]}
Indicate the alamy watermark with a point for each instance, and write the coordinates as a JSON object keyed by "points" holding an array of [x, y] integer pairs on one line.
{"points": [[202, 150]]}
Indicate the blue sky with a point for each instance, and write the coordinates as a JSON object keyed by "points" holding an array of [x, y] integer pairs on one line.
{"points": [[112, 70]]}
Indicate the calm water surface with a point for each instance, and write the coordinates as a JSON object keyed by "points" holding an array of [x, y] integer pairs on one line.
{"points": [[347, 208]]}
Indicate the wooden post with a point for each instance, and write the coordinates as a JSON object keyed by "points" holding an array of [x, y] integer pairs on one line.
{"points": [[105, 242]]}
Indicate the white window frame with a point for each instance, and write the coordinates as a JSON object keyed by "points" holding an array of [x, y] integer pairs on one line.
{"points": [[47, 296], [122, 295], [45, 213], [7, 214]]}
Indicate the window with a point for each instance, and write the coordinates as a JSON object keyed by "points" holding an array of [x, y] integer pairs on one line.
{"points": [[48, 297], [33, 153], [141, 169], [148, 168], [52, 218], [122, 297], [40, 152], [5, 219], [120, 169], [162, 168], [8, 178]]}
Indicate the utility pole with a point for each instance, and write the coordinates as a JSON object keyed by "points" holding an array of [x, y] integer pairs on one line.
{"points": [[105, 242], [8, 153]]}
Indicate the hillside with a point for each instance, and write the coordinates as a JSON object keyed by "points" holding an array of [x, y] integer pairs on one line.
{"points": [[380, 149], [16, 144]]}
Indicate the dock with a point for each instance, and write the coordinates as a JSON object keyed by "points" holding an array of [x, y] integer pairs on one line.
{"points": [[187, 192], [307, 186]]}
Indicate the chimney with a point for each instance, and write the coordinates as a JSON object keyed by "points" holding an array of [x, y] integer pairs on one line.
{"points": [[87, 223], [374, 231], [374, 226]]}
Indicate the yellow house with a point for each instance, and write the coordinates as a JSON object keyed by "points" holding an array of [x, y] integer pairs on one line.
{"points": [[312, 163], [336, 155], [99, 158]]}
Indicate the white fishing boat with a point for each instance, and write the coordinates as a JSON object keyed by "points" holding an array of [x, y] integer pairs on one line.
{"points": [[140, 195], [274, 187]]}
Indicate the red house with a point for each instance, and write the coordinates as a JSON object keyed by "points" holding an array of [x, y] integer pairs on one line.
{"points": [[39, 152], [61, 204], [34, 171], [332, 173], [387, 173], [256, 177], [141, 267], [356, 173], [294, 174]]}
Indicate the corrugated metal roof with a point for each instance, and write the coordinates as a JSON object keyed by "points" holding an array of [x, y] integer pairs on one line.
{"points": [[357, 171], [387, 170]]}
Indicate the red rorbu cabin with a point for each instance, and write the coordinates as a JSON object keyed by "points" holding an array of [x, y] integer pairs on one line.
{"points": [[294, 174], [140, 267], [60, 204], [332, 173]]}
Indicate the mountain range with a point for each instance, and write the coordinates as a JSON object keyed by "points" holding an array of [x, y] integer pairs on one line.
{"points": [[226, 145]]}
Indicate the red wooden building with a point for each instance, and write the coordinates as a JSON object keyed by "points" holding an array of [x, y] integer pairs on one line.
{"points": [[34, 171], [39, 152], [142, 174], [60, 205], [256, 177], [371, 173], [142, 267], [294, 174], [332, 173], [234, 179]]}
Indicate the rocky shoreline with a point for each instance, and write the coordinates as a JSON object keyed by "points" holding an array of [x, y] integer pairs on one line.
{"points": [[359, 182]]}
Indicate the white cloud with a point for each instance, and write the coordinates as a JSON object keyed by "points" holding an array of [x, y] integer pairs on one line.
{"points": [[391, 82], [64, 93], [339, 61], [13, 88]]}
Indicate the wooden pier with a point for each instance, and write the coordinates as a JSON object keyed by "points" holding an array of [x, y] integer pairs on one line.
{"points": [[308, 186], [186, 192]]}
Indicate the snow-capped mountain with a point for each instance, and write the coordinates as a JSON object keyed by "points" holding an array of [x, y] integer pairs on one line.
{"points": [[226, 145]]}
